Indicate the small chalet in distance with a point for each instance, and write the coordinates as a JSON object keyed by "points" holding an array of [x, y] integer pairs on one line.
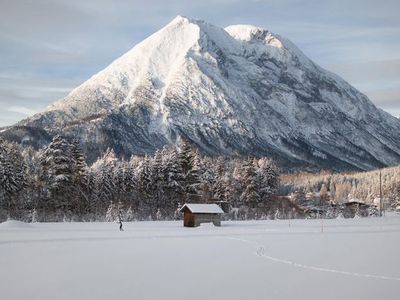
{"points": [[195, 214]]}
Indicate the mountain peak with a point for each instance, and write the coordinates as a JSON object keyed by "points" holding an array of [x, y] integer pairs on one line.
{"points": [[181, 19], [241, 89]]}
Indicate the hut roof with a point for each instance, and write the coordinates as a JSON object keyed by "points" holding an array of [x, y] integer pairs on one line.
{"points": [[355, 203], [203, 208]]}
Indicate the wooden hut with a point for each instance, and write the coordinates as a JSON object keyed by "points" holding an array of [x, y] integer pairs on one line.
{"points": [[195, 214]]}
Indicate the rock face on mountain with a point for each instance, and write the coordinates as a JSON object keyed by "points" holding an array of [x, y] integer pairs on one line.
{"points": [[240, 90]]}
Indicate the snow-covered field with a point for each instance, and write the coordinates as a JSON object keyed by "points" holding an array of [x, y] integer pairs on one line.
{"points": [[350, 259]]}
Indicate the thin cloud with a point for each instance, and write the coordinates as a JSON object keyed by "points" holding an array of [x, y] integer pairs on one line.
{"points": [[21, 110], [387, 98], [387, 70]]}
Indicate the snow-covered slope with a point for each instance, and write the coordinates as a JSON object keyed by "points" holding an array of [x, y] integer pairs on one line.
{"points": [[241, 90]]}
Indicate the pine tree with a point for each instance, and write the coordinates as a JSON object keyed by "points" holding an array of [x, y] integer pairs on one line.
{"points": [[129, 216], [104, 185], [58, 167], [250, 196], [144, 180], [112, 213], [206, 187], [173, 179], [120, 212], [12, 177], [159, 215], [158, 184], [34, 217], [219, 187], [130, 180], [33, 189], [190, 171], [268, 180], [120, 188], [80, 180]]}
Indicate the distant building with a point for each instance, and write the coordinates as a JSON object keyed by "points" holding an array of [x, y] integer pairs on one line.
{"points": [[353, 208], [195, 214]]}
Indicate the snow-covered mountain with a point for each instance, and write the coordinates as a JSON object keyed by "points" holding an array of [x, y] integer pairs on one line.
{"points": [[236, 90]]}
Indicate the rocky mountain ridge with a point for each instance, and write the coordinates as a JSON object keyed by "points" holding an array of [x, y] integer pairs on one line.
{"points": [[240, 90]]}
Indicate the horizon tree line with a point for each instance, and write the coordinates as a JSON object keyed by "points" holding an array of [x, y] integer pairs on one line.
{"points": [[56, 184]]}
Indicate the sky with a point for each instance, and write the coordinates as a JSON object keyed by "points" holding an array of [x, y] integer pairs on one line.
{"points": [[49, 47]]}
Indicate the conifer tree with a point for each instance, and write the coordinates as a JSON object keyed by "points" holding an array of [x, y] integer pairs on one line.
{"points": [[220, 181], [268, 179], [80, 180], [173, 180], [12, 176], [58, 171], [103, 171], [190, 171], [129, 216], [250, 195]]}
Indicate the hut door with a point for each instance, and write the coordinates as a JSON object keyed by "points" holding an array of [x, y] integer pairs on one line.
{"points": [[189, 219]]}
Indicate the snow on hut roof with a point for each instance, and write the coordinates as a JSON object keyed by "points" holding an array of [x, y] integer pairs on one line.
{"points": [[203, 208]]}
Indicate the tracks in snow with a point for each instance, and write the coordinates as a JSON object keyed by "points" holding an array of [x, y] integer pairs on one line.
{"points": [[260, 249], [261, 252]]}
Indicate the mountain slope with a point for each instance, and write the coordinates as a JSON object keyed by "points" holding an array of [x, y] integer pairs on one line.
{"points": [[241, 90]]}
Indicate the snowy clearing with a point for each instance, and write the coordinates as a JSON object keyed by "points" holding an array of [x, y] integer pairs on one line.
{"points": [[350, 259]]}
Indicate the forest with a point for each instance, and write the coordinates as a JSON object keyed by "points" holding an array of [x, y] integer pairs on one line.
{"points": [[56, 184], [344, 187]]}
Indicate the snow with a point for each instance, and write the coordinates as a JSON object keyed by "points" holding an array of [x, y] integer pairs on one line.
{"points": [[12, 224], [197, 79], [203, 208], [26, 138], [282, 259]]}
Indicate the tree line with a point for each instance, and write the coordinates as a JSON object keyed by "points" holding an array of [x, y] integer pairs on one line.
{"points": [[345, 187], [56, 184]]}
